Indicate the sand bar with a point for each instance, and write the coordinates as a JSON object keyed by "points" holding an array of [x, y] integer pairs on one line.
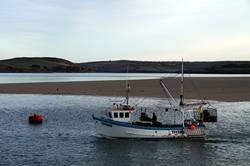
{"points": [[211, 88]]}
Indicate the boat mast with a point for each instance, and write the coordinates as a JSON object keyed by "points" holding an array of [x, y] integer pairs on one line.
{"points": [[182, 84], [182, 94], [127, 93], [127, 89]]}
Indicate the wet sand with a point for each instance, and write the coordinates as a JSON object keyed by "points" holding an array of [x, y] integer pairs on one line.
{"points": [[219, 88]]}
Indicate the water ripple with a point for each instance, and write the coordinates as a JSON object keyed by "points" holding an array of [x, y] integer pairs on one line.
{"points": [[67, 136]]}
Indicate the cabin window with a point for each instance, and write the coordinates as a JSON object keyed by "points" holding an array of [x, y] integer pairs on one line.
{"points": [[126, 115], [115, 115], [176, 132], [110, 115], [121, 115]]}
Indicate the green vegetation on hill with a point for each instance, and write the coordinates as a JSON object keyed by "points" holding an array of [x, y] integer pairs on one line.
{"points": [[45, 65], [220, 67], [42, 65]]}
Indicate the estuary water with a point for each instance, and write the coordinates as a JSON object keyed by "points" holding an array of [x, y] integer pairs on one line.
{"points": [[69, 77], [68, 137]]}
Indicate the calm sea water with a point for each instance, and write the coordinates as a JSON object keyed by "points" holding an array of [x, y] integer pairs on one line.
{"points": [[68, 77], [67, 136]]}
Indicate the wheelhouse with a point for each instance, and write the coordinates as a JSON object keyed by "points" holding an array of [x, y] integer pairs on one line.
{"points": [[121, 112]]}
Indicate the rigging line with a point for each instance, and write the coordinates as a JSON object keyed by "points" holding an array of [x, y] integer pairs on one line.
{"points": [[168, 100], [167, 92], [176, 76]]}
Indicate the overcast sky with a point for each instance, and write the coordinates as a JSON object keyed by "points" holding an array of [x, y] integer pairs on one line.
{"points": [[157, 30]]}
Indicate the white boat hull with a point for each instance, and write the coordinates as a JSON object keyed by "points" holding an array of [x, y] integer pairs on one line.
{"points": [[110, 128]]}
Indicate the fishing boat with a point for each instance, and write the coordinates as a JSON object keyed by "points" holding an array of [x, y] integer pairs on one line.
{"points": [[188, 121]]}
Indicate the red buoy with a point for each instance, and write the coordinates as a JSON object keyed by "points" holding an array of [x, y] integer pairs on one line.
{"points": [[36, 119]]}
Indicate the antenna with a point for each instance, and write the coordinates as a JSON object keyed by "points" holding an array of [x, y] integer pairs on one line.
{"points": [[182, 84]]}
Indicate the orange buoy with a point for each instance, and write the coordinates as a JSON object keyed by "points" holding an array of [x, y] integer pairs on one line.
{"points": [[193, 127]]}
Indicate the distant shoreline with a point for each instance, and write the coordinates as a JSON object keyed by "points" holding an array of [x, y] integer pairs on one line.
{"points": [[50, 65], [229, 89]]}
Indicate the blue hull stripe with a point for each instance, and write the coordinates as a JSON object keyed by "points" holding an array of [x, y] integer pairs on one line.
{"points": [[125, 124]]}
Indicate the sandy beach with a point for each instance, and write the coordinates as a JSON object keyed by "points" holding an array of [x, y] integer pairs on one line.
{"points": [[211, 88]]}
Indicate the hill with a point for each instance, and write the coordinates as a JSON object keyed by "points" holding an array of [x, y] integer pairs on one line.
{"points": [[46, 65], [220, 67], [39, 65]]}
